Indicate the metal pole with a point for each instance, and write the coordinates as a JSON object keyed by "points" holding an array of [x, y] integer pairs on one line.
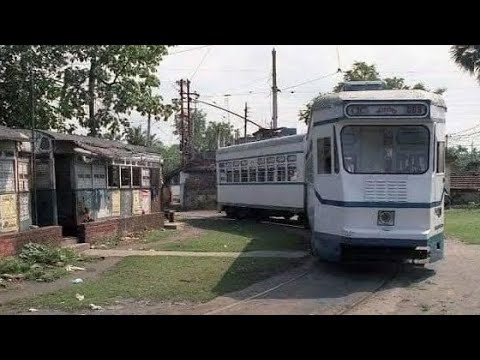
{"points": [[245, 125], [148, 130], [182, 131], [33, 160], [189, 124], [274, 89]]}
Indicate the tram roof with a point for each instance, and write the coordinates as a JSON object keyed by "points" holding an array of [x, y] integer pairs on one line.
{"points": [[283, 140], [339, 98]]}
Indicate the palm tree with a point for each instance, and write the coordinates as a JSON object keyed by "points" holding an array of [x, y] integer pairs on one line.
{"points": [[468, 58], [137, 136]]}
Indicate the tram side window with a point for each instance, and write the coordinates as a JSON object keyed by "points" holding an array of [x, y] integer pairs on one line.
{"points": [[292, 172], [229, 175], [281, 173], [252, 174], [324, 156], [271, 173], [223, 176], [261, 174], [244, 174], [236, 175], [441, 157]]}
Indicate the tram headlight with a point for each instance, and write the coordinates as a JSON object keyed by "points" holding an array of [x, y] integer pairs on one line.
{"points": [[386, 218]]}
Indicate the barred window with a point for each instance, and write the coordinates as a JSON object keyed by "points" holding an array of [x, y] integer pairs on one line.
{"points": [[252, 174], [244, 174], [271, 173], [229, 175], [223, 176], [261, 174], [281, 173], [292, 172]]}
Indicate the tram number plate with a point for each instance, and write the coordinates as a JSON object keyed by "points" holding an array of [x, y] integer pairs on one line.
{"points": [[390, 110]]}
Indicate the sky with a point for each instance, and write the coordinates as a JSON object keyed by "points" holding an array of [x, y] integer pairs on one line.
{"points": [[244, 72]]}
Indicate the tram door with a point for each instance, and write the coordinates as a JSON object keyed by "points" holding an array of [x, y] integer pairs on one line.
{"points": [[326, 175]]}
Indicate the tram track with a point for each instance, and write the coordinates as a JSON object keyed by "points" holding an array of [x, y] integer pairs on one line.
{"points": [[372, 294]]}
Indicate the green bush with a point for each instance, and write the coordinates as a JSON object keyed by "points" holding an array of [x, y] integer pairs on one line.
{"points": [[39, 262]]}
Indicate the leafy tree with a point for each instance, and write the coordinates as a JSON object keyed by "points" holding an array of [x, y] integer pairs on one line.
{"points": [[171, 157], [468, 58], [207, 138], [19, 65], [461, 159], [218, 134], [361, 71], [104, 84]]}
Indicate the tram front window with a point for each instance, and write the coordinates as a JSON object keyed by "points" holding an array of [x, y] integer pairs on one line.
{"points": [[385, 149]]}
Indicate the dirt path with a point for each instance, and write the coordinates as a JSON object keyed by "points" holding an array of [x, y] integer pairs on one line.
{"points": [[452, 288], [124, 253]]}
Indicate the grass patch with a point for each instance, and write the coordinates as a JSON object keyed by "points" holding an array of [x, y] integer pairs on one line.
{"points": [[159, 235], [238, 236], [164, 279], [463, 224]]}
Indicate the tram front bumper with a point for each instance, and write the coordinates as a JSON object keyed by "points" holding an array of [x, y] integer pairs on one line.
{"points": [[341, 248]]}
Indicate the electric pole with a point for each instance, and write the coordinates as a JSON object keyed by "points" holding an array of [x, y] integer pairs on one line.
{"points": [[148, 130], [245, 122], [274, 90], [186, 121]]}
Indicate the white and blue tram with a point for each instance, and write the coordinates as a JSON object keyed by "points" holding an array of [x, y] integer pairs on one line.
{"points": [[369, 175], [375, 174], [262, 178]]}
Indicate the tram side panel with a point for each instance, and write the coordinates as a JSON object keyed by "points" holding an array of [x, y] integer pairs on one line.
{"points": [[268, 177]]}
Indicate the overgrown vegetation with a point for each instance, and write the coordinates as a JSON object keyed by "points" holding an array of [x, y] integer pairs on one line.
{"points": [[39, 262]]}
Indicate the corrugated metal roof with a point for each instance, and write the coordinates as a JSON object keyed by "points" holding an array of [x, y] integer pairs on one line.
{"points": [[334, 99], [465, 182], [12, 134], [107, 148]]}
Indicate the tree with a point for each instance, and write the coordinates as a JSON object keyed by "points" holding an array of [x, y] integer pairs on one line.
{"points": [[96, 86], [218, 134], [24, 68], [468, 58], [104, 84], [361, 71], [171, 158], [207, 138], [138, 136]]}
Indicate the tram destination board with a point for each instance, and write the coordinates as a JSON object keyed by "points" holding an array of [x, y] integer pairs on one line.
{"points": [[402, 110]]}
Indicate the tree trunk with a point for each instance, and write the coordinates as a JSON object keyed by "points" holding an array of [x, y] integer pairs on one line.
{"points": [[92, 124]]}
